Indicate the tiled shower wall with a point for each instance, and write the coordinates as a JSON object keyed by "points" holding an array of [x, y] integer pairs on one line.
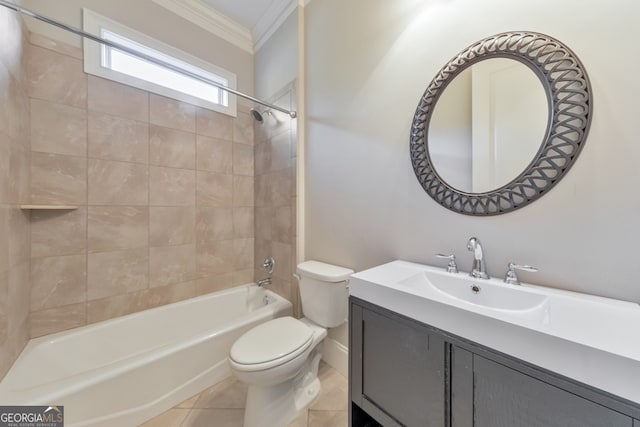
{"points": [[14, 190], [164, 189], [275, 195]]}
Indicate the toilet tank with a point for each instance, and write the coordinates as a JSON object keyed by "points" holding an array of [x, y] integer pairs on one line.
{"points": [[323, 292]]}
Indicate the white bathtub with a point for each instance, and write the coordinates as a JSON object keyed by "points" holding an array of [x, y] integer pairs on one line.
{"points": [[124, 371]]}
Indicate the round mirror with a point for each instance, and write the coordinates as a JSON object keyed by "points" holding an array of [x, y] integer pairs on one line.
{"points": [[501, 123], [488, 124]]}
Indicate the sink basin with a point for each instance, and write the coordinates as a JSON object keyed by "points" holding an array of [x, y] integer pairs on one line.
{"points": [[588, 338], [493, 294]]}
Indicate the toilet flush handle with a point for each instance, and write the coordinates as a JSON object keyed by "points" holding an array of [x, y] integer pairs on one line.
{"points": [[346, 282]]}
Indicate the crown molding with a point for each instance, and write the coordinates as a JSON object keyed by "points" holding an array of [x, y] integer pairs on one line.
{"points": [[215, 22], [274, 17]]}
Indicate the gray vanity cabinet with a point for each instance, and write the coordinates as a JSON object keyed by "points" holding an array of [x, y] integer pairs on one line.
{"points": [[504, 397], [404, 373], [397, 370]]}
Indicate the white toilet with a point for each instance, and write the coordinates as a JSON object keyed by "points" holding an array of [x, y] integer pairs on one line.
{"points": [[279, 359]]}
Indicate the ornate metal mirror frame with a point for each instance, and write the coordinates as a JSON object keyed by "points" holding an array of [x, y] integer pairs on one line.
{"points": [[570, 101]]}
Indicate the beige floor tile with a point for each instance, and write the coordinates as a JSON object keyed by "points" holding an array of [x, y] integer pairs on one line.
{"points": [[214, 417], [223, 406], [189, 403], [171, 418], [229, 394], [300, 421], [333, 394], [328, 419]]}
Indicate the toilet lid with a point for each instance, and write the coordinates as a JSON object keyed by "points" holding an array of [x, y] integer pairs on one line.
{"points": [[271, 340]]}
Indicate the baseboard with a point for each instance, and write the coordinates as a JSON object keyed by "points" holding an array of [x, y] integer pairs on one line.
{"points": [[336, 355]]}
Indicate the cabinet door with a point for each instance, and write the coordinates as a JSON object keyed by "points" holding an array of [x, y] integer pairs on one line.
{"points": [[504, 397], [403, 371]]}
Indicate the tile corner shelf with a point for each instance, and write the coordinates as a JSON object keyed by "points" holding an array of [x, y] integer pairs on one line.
{"points": [[48, 207]]}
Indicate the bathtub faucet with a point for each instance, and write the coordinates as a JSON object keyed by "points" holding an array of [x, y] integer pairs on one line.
{"points": [[268, 266], [264, 282]]}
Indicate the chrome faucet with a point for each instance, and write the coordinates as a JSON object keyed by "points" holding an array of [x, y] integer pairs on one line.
{"points": [[478, 268], [268, 266]]}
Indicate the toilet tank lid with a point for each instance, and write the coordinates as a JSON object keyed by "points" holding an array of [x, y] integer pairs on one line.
{"points": [[322, 271]]}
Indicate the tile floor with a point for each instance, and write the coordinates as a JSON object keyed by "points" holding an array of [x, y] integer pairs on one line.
{"points": [[223, 406]]}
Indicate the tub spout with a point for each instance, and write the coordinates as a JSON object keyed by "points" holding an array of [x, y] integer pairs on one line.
{"points": [[264, 282]]}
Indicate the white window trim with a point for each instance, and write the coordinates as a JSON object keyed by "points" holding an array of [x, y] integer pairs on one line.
{"points": [[94, 23]]}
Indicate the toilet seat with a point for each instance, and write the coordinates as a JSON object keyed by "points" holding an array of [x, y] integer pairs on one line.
{"points": [[271, 344]]}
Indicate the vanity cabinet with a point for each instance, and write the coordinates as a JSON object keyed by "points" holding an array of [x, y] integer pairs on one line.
{"points": [[405, 373]]}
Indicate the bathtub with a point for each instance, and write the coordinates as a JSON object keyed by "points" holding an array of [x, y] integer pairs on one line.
{"points": [[123, 371]]}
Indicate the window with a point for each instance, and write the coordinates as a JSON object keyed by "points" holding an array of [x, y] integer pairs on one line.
{"points": [[122, 67]]}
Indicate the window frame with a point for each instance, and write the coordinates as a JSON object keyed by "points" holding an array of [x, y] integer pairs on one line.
{"points": [[95, 23]]}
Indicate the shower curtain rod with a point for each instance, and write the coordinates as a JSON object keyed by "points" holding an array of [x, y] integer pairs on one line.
{"points": [[137, 54]]}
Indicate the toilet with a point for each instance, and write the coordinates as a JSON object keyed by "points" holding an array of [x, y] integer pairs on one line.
{"points": [[279, 359]]}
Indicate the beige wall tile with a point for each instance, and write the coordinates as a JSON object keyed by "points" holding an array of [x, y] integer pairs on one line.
{"points": [[58, 281], [56, 77], [243, 191], [58, 180], [4, 313], [215, 258], [209, 284], [243, 222], [282, 224], [264, 222], [214, 124], [17, 239], [55, 233], [172, 148], [114, 98], [173, 225], [243, 277], [243, 128], [5, 144], [57, 319], [281, 252], [19, 170], [171, 187], [4, 244], [172, 264], [169, 294], [18, 309], [117, 138], [242, 159], [262, 190], [171, 113], [120, 272], [58, 128], [55, 46], [120, 305], [117, 227], [214, 224], [281, 188], [117, 183], [214, 155], [243, 254], [214, 189]]}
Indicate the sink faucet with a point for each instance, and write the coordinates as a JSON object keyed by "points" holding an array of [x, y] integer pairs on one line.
{"points": [[478, 269]]}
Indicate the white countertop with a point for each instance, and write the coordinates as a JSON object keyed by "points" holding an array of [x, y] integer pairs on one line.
{"points": [[591, 339]]}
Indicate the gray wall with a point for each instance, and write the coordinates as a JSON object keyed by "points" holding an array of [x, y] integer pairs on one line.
{"points": [[369, 61]]}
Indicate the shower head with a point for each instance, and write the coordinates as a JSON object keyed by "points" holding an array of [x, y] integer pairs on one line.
{"points": [[257, 116], [260, 116]]}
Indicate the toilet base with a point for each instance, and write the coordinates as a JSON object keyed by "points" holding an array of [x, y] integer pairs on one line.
{"points": [[278, 405]]}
